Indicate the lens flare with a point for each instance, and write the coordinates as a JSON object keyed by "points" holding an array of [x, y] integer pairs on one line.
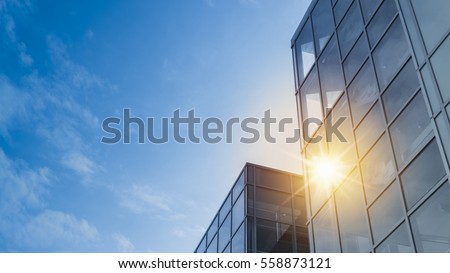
{"points": [[326, 170]]}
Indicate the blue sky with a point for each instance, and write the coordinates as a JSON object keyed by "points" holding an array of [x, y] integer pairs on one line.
{"points": [[65, 66]]}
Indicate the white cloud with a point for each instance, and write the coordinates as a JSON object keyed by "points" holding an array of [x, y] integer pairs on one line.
{"points": [[79, 163], [26, 221], [142, 198], [21, 186], [123, 243], [185, 232], [58, 229]]}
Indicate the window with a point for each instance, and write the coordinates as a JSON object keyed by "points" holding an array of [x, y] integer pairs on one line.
{"points": [[238, 213], [380, 21], [225, 209], [441, 65], [401, 89], [212, 248], [273, 180], [363, 92], [239, 186], [349, 29], [273, 237], [304, 46], [430, 223], [353, 225], [311, 102], [356, 58], [319, 191], [423, 173], [201, 246], [432, 32], [369, 7], [238, 241], [225, 233], [300, 211], [370, 129], [213, 228], [397, 242], [386, 212], [343, 150], [322, 18], [302, 239], [326, 239], [390, 53], [273, 205], [431, 88], [331, 78], [377, 169], [410, 129], [340, 9], [298, 185]]}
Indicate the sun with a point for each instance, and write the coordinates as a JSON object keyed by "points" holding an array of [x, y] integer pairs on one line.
{"points": [[326, 170]]}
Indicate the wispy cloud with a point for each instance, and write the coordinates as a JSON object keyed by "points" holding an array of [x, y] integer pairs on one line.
{"points": [[26, 220], [58, 230], [123, 243], [79, 163]]}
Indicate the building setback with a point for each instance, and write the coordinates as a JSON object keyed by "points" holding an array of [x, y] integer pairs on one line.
{"points": [[265, 211], [384, 67]]}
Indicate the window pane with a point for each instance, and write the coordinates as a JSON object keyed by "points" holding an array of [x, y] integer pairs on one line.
{"points": [[326, 239], [390, 53], [377, 169], [212, 248], [305, 52], [225, 209], [319, 191], [238, 213], [302, 239], [432, 31], [430, 223], [273, 180], [356, 58], [400, 90], [238, 241], [300, 211], [423, 173], [331, 78], [340, 9], [225, 233], [201, 246], [273, 237], [298, 185], [441, 65], [349, 29], [381, 21], [353, 225], [397, 242], [410, 129], [386, 212], [343, 150], [213, 229], [322, 18], [239, 186], [273, 205], [369, 7], [311, 102], [370, 129], [363, 92]]}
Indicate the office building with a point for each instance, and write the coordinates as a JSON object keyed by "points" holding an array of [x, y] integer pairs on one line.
{"points": [[380, 72], [265, 211]]}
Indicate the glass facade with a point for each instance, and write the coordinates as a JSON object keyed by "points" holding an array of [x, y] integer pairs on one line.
{"points": [[383, 66], [265, 211]]}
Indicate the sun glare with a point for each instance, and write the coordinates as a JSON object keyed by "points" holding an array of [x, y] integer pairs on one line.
{"points": [[326, 170]]}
